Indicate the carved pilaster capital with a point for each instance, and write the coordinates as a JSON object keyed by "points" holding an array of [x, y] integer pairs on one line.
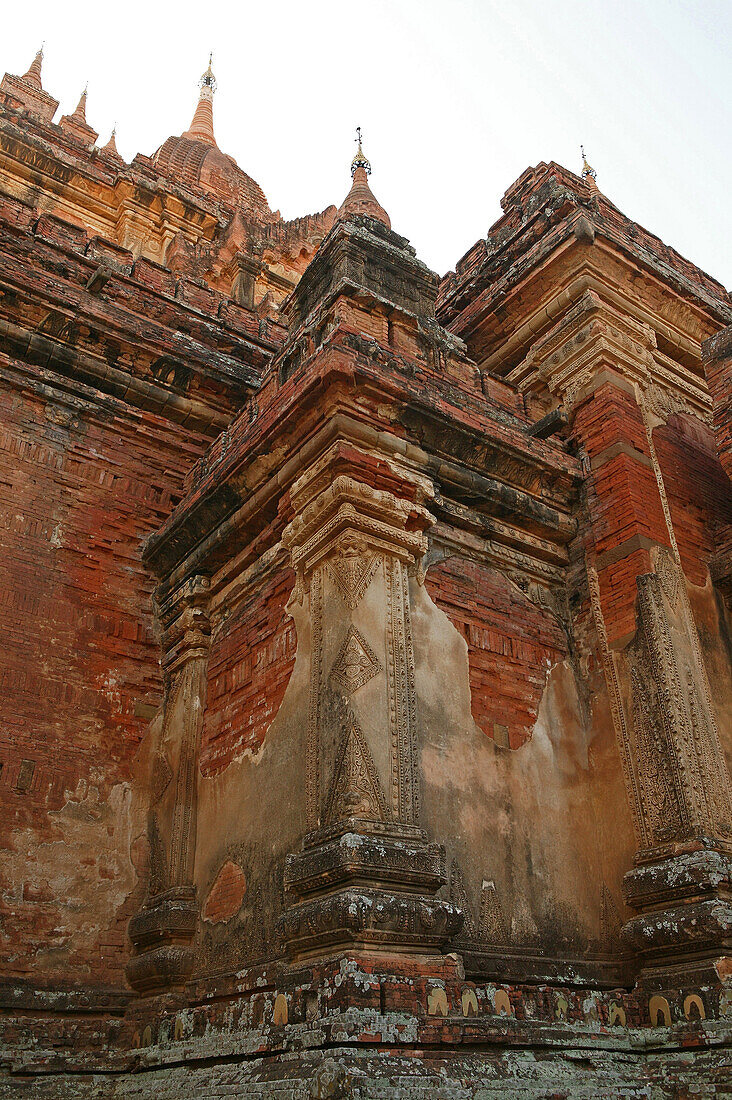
{"points": [[590, 338], [659, 404], [348, 512], [184, 616]]}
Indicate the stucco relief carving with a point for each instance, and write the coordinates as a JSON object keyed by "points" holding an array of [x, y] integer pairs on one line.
{"points": [[673, 764], [661, 817], [401, 694], [663, 403], [352, 569], [667, 658], [617, 711], [488, 928], [312, 749], [175, 761], [355, 664], [610, 921], [365, 872], [346, 533], [161, 776], [355, 790], [493, 920]]}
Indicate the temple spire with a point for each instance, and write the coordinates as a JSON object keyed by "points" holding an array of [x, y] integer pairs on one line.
{"points": [[589, 175], [201, 128], [33, 76], [360, 199], [111, 146], [360, 160], [80, 112]]}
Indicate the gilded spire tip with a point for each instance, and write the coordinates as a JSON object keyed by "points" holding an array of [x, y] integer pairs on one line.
{"points": [[201, 128], [360, 160], [587, 169], [208, 80]]}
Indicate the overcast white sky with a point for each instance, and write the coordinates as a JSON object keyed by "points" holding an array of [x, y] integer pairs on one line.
{"points": [[456, 98]]}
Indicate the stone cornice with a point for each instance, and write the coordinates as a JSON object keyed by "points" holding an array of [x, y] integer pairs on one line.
{"points": [[167, 338], [557, 210]]}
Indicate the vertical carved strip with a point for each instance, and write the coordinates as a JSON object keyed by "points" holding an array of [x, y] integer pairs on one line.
{"points": [[701, 680], [312, 750], [690, 730], [662, 802], [401, 695], [669, 694], [409, 740], [391, 692]]}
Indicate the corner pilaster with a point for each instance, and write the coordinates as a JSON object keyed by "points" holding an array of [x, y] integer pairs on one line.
{"points": [[600, 365], [162, 932], [365, 875]]}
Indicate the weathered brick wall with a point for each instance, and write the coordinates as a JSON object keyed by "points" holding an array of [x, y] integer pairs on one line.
{"points": [[79, 681], [252, 656], [512, 644], [624, 498], [623, 501], [697, 489]]}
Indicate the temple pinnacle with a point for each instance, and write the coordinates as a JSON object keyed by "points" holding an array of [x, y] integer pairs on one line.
{"points": [[33, 76], [111, 146], [360, 160], [360, 199], [208, 79], [201, 128], [80, 112], [587, 170]]}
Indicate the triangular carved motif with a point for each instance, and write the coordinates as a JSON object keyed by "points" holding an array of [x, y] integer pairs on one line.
{"points": [[352, 573], [355, 664], [459, 897], [492, 919], [610, 921], [355, 790]]}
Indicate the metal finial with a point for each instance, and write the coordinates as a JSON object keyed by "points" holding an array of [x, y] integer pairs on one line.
{"points": [[587, 169], [360, 161], [208, 80]]}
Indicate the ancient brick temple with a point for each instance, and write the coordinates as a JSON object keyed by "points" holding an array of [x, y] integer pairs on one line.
{"points": [[366, 639]]}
